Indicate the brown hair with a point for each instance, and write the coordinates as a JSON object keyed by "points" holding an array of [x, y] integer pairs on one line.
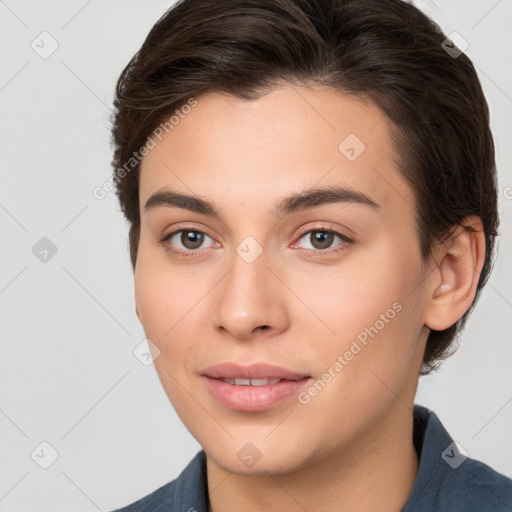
{"points": [[386, 51]]}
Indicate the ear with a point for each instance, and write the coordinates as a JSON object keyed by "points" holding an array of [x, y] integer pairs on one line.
{"points": [[452, 283]]}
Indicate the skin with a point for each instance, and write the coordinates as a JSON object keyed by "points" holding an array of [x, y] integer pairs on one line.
{"points": [[350, 447]]}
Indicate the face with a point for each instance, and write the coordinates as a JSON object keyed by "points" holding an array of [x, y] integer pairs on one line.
{"points": [[270, 269]]}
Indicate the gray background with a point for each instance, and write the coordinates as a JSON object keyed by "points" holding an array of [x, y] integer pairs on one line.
{"points": [[68, 375]]}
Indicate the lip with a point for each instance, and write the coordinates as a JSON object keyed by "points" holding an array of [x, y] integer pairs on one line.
{"points": [[253, 371], [253, 398]]}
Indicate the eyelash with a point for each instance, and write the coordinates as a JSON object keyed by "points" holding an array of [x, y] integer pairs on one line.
{"points": [[318, 252]]}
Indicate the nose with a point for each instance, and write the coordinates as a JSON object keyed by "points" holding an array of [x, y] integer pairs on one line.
{"points": [[251, 301]]}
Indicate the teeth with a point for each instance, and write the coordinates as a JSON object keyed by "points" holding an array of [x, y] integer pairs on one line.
{"points": [[251, 382]]}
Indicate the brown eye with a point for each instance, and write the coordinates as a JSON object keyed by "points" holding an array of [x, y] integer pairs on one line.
{"points": [[185, 241], [191, 239], [321, 239]]}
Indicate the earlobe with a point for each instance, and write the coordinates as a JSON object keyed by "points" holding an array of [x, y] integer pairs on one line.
{"points": [[453, 284]]}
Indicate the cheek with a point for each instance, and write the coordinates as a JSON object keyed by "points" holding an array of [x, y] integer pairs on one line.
{"points": [[169, 300], [162, 290], [163, 305], [363, 370], [347, 298], [156, 296], [367, 321]]}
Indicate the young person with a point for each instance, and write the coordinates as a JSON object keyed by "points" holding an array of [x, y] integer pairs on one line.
{"points": [[311, 193]]}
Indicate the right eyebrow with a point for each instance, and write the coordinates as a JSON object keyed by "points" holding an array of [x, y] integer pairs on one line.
{"points": [[169, 198]]}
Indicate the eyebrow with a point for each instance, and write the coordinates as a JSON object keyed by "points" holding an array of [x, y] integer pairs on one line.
{"points": [[298, 201]]}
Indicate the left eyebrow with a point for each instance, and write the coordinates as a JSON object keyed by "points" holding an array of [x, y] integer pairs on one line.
{"points": [[319, 197], [298, 201]]}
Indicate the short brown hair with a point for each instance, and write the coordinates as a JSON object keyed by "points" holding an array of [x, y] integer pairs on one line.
{"points": [[386, 51]]}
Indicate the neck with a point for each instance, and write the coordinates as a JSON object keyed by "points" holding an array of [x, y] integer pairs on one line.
{"points": [[376, 472]]}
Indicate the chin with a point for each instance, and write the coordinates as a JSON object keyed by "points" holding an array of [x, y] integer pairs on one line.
{"points": [[257, 459]]}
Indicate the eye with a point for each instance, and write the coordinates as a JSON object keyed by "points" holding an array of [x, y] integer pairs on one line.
{"points": [[185, 242], [188, 242], [321, 240]]}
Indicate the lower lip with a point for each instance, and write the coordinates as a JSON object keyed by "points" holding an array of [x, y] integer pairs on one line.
{"points": [[253, 398]]}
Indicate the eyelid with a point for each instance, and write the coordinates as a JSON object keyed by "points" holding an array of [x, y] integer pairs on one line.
{"points": [[324, 226], [185, 227], [170, 235]]}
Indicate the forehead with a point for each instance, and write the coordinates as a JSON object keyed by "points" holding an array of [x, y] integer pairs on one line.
{"points": [[290, 139]]}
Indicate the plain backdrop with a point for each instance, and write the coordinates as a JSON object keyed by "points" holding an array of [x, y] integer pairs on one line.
{"points": [[68, 376]]}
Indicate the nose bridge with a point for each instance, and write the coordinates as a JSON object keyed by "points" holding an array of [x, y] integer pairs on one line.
{"points": [[250, 297]]}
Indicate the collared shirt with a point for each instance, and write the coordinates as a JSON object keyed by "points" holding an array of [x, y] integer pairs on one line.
{"points": [[447, 480]]}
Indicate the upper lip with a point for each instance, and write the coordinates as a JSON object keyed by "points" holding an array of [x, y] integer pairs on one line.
{"points": [[230, 370]]}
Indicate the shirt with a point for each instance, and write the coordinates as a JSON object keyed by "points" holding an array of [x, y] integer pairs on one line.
{"points": [[446, 481]]}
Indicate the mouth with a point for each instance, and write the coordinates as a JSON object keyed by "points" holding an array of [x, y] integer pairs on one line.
{"points": [[251, 375], [254, 382], [253, 388]]}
